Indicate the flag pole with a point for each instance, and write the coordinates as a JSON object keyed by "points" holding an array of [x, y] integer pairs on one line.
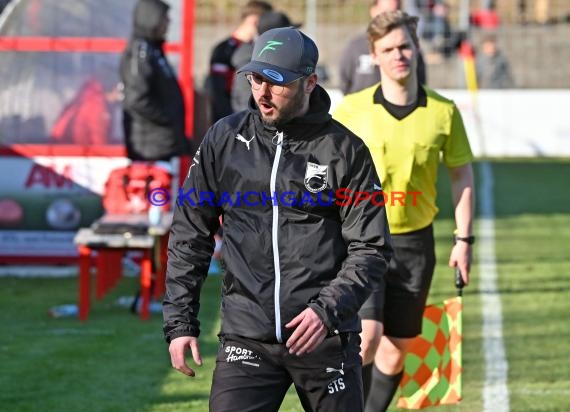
{"points": [[459, 283]]}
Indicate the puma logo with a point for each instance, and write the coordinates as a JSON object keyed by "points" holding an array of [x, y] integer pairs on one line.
{"points": [[341, 370], [243, 139]]}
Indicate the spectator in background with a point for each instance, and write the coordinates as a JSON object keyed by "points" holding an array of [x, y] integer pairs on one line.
{"points": [[437, 37], [357, 70], [241, 90], [493, 69], [153, 107], [86, 120], [485, 17], [432, 21], [222, 71]]}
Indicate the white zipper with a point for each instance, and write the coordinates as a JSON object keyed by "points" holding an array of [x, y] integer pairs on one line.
{"points": [[274, 240]]}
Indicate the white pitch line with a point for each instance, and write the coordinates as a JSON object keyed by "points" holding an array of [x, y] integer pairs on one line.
{"points": [[495, 390]]}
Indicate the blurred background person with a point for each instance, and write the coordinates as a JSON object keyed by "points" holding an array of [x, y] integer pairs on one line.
{"points": [[438, 39], [493, 69], [153, 107], [485, 16], [222, 71], [241, 89], [357, 71], [87, 118]]}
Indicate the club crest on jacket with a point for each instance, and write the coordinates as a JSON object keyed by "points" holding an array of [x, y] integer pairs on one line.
{"points": [[316, 177]]}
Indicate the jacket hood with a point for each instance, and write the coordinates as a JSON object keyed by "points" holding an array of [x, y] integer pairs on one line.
{"points": [[147, 17], [317, 115]]}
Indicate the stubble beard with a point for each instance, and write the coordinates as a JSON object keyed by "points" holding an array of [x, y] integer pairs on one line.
{"points": [[289, 111]]}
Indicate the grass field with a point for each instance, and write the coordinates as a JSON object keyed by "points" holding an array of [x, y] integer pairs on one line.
{"points": [[115, 362]]}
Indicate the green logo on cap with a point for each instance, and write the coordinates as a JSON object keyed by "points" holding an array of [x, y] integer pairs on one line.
{"points": [[271, 45]]}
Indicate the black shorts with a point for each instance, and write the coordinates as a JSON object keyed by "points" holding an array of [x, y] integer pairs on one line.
{"points": [[400, 302], [255, 376]]}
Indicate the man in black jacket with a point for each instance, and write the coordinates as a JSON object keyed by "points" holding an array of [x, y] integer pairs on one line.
{"points": [[302, 247], [153, 116]]}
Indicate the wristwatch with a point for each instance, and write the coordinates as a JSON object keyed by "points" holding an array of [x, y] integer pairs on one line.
{"points": [[467, 239]]}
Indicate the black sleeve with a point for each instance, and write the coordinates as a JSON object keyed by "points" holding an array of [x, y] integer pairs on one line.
{"points": [[241, 91], [190, 246], [365, 230], [219, 95], [220, 80], [139, 77]]}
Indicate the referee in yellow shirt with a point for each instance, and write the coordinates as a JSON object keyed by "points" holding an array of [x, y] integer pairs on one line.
{"points": [[407, 128]]}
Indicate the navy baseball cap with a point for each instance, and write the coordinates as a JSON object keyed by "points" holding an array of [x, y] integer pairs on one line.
{"points": [[283, 55]]}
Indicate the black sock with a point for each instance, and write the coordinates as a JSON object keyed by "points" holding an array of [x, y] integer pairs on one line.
{"points": [[366, 380], [382, 390]]}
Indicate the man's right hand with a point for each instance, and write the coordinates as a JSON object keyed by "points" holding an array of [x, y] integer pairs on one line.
{"points": [[177, 349]]}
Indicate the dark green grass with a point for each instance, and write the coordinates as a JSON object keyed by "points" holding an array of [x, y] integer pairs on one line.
{"points": [[115, 362], [533, 257], [535, 291], [537, 187]]}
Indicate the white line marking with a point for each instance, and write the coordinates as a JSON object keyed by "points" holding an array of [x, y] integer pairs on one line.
{"points": [[495, 390]]}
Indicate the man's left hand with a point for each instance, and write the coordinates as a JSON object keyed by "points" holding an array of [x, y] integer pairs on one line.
{"points": [[310, 331]]}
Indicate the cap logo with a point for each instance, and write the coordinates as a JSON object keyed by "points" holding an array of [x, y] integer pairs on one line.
{"points": [[270, 45], [273, 75]]}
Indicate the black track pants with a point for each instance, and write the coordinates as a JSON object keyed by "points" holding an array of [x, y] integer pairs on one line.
{"points": [[255, 376]]}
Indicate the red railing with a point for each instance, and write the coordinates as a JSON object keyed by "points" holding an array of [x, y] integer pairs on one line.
{"points": [[104, 45]]}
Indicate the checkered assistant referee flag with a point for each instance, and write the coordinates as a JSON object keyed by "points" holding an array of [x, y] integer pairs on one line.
{"points": [[432, 372]]}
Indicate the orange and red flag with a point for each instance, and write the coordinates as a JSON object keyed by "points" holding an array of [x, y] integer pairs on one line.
{"points": [[432, 371]]}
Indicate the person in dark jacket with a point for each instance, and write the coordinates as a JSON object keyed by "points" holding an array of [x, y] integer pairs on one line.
{"points": [[153, 106], [493, 69], [301, 254]]}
